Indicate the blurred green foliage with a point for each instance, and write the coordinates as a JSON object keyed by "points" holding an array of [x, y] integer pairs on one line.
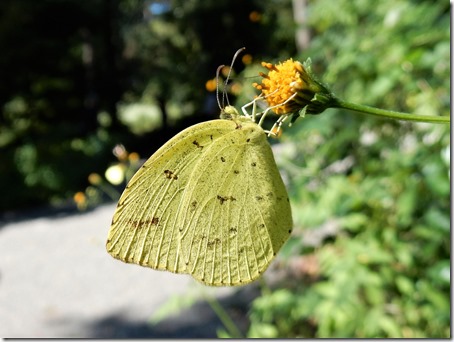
{"points": [[383, 269], [81, 77]]}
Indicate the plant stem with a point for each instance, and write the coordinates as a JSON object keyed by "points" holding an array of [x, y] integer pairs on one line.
{"points": [[224, 317], [109, 190], [391, 114]]}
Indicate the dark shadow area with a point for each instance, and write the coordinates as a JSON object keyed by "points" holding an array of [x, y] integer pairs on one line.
{"points": [[198, 321]]}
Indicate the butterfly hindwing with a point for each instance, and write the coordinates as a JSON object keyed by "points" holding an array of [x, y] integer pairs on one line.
{"points": [[235, 212]]}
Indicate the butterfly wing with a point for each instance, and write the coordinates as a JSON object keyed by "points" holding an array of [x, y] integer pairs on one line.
{"points": [[144, 226], [235, 213]]}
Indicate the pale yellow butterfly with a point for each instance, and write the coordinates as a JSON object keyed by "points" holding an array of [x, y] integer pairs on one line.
{"points": [[210, 203]]}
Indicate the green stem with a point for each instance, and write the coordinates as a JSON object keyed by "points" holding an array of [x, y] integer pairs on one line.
{"points": [[391, 114], [224, 317], [109, 190]]}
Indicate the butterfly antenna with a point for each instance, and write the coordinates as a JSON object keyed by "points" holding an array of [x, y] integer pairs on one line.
{"points": [[230, 71], [217, 88], [221, 104]]}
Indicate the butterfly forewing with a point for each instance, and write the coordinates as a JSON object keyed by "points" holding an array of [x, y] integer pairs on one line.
{"points": [[144, 227]]}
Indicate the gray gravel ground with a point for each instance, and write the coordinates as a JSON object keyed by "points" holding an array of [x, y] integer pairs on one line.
{"points": [[57, 280]]}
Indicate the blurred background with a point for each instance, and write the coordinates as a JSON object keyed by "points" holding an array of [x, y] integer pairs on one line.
{"points": [[92, 88]]}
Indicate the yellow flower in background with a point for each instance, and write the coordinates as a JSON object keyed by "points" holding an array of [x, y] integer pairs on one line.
{"points": [[290, 87], [211, 85], [133, 157], [225, 70], [94, 179], [255, 16], [80, 199], [246, 59]]}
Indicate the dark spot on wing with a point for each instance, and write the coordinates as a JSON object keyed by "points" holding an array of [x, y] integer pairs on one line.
{"points": [[248, 139], [213, 242], [138, 224], [258, 198], [233, 231], [198, 239], [222, 199], [196, 143], [236, 172], [253, 164], [223, 159], [170, 175]]}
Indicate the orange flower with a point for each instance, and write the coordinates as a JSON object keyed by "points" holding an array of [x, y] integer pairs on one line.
{"points": [[81, 200], [290, 87], [94, 179], [133, 157]]}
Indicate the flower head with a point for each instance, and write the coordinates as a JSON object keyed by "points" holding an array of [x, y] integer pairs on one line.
{"points": [[80, 199], [289, 87], [94, 179]]}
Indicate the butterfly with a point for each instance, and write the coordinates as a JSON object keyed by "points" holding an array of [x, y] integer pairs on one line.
{"points": [[209, 203]]}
